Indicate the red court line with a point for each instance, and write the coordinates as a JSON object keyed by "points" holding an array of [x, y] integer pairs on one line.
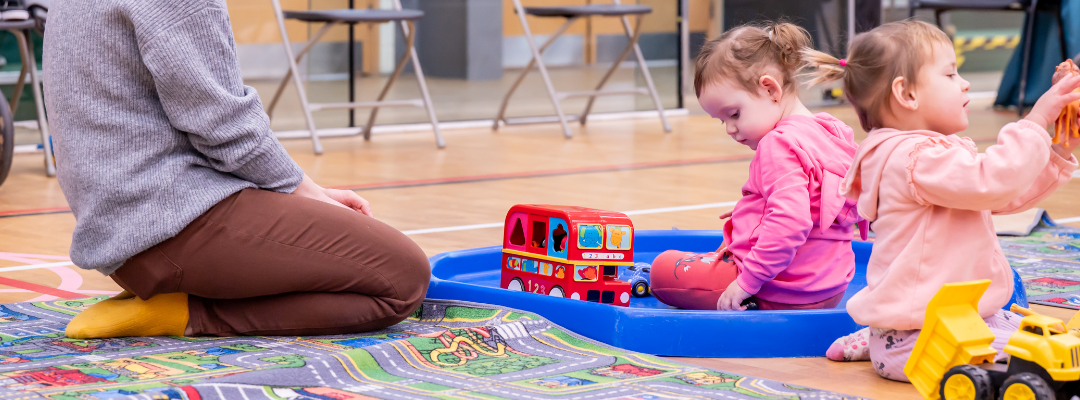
{"points": [[33, 287], [49, 210], [549, 172]]}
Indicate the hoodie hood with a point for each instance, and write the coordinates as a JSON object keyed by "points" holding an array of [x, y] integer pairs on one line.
{"points": [[832, 146], [864, 179]]}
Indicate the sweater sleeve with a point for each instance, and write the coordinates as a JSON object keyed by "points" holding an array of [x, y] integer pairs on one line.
{"points": [[197, 77], [786, 221], [1016, 172]]}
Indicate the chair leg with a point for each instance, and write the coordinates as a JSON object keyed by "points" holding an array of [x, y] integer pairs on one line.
{"points": [[288, 75], [428, 105], [20, 83], [1025, 57], [648, 79], [43, 124], [632, 40], [409, 47], [525, 72], [543, 69], [316, 146]]}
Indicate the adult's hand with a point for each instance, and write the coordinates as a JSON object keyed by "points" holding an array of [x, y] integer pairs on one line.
{"points": [[341, 198]]}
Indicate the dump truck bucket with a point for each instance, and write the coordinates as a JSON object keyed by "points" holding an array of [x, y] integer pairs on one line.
{"points": [[953, 334]]}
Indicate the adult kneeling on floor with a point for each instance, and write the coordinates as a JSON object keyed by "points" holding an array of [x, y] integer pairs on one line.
{"points": [[183, 196]]}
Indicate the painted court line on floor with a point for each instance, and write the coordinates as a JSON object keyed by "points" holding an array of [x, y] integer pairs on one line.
{"points": [[546, 173], [36, 266], [33, 287], [634, 212]]}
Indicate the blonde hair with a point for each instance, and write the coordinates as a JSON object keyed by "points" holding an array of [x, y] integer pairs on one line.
{"points": [[746, 53], [874, 60]]}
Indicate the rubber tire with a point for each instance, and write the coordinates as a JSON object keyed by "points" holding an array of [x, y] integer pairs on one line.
{"points": [[980, 378], [561, 293], [1037, 385], [644, 287], [7, 139], [520, 286]]}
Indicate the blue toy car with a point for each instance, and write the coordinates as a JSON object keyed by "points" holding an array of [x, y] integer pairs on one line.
{"points": [[638, 277]]}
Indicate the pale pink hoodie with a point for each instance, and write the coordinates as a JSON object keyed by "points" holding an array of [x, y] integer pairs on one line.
{"points": [[791, 232], [930, 197]]}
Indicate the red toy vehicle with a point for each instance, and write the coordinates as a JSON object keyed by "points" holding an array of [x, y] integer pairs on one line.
{"points": [[567, 251]]}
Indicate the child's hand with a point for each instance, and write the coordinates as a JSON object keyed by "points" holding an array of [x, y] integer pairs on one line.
{"points": [[1050, 104], [726, 214], [732, 298]]}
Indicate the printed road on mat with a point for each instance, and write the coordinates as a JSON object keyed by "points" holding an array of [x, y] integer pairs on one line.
{"points": [[446, 350], [1048, 260]]}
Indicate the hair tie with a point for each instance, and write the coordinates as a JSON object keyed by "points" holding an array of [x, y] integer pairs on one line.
{"points": [[843, 62]]}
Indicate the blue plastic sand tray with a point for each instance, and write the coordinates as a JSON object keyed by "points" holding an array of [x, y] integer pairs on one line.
{"points": [[649, 326]]}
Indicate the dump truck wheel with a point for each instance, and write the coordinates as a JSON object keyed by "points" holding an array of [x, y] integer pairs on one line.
{"points": [[1026, 386], [966, 382]]}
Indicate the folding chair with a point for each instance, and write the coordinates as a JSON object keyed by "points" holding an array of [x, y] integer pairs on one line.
{"points": [[1028, 6], [406, 19], [573, 13]]}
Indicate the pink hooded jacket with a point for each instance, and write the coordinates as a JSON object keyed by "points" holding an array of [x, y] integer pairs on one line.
{"points": [[930, 197], [790, 233]]}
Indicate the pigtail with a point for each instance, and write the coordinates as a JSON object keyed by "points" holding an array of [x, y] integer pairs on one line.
{"points": [[826, 68], [791, 40]]}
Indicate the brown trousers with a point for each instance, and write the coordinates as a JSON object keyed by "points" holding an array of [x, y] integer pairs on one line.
{"points": [[266, 263]]}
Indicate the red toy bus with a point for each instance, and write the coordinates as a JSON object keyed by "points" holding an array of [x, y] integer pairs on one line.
{"points": [[567, 251]]}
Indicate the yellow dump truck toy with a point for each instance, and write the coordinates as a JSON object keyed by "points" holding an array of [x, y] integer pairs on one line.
{"points": [[953, 359]]}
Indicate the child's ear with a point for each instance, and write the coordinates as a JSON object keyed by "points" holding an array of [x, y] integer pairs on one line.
{"points": [[770, 88], [903, 94]]}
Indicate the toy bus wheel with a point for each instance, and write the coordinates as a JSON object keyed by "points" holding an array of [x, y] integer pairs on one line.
{"points": [[515, 285], [966, 382], [557, 292], [641, 289], [1026, 386]]}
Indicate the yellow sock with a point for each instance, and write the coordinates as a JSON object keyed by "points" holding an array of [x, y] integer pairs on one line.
{"points": [[162, 315]]}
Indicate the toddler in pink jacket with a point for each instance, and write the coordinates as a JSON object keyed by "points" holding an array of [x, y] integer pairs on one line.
{"points": [[788, 242], [928, 192]]}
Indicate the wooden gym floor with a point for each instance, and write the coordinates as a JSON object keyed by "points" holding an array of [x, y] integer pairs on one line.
{"points": [[618, 165]]}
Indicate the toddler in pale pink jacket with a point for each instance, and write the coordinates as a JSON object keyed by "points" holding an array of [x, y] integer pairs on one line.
{"points": [[928, 192], [788, 242]]}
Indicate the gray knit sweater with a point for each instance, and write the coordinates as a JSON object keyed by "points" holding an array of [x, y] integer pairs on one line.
{"points": [[151, 121]]}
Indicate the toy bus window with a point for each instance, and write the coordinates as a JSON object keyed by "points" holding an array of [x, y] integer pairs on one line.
{"points": [[513, 263], [619, 237], [529, 266], [586, 273], [1034, 329], [559, 234], [545, 269], [539, 234], [590, 236], [516, 234]]}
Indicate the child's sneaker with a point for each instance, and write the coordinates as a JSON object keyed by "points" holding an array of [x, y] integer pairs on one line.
{"points": [[853, 347], [13, 10]]}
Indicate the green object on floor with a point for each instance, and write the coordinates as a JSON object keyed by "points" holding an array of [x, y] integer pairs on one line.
{"points": [[446, 350]]}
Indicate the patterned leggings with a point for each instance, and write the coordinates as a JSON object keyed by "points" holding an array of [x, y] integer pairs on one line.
{"points": [[890, 348]]}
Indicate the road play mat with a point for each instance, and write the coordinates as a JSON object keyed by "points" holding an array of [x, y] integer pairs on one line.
{"points": [[1048, 260], [446, 350]]}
